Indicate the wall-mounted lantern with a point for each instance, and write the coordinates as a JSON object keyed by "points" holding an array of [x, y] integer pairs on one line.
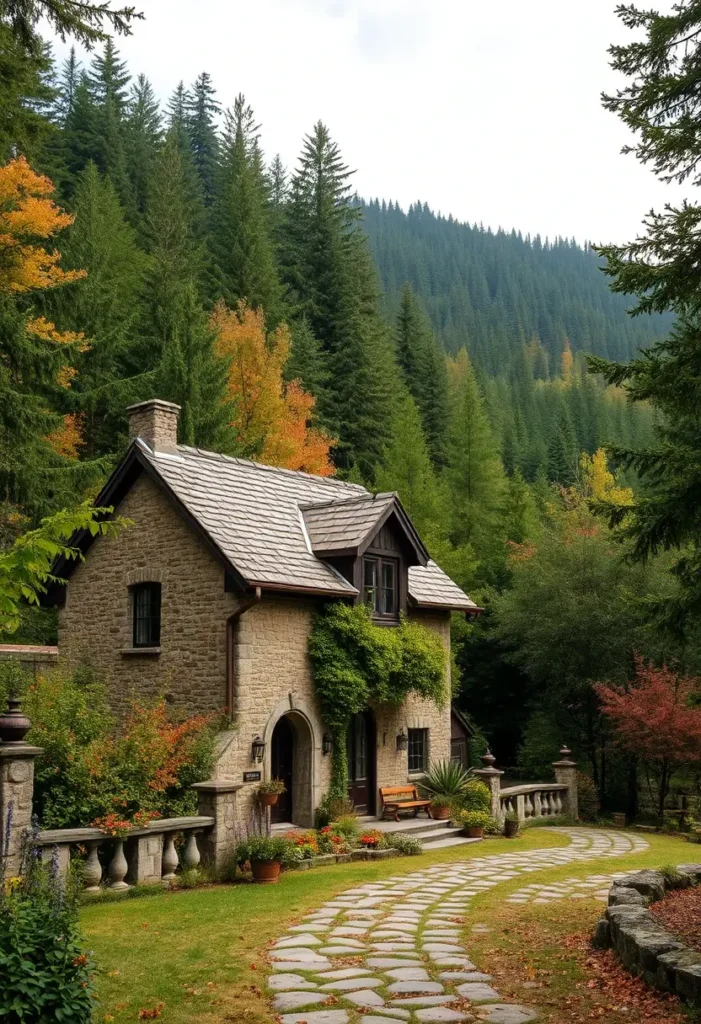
{"points": [[402, 740], [258, 749], [327, 743]]}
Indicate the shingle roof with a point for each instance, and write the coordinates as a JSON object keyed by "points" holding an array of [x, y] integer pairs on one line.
{"points": [[253, 513], [340, 525], [430, 587]]}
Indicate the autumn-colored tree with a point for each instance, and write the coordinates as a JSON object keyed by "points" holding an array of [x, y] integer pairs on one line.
{"points": [[272, 420], [36, 359], [598, 482], [654, 718]]}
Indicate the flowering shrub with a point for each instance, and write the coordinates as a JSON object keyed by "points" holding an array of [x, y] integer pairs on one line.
{"points": [[331, 841], [118, 827], [371, 839], [90, 768], [306, 843], [46, 975]]}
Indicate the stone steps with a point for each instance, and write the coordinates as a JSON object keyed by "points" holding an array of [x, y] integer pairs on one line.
{"points": [[436, 834]]}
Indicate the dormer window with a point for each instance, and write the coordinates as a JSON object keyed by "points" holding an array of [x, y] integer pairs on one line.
{"points": [[380, 587]]}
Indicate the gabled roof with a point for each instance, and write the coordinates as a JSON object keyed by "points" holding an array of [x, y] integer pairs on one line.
{"points": [[348, 526], [251, 517]]}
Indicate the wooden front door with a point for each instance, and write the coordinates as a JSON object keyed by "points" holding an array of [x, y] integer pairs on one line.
{"points": [[282, 765], [361, 762]]}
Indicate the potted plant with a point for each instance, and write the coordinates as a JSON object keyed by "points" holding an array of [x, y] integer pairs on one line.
{"points": [[511, 825], [440, 808], [445, 778], [474, 823], [268, 792], [266, 855]]}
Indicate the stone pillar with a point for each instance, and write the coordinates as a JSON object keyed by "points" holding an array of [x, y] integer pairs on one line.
{"points": [[491, 777], [16, 792], [566, 774], [145, 856], [217, 799]]}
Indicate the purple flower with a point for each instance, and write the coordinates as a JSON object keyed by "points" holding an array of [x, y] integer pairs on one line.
{"points": [[8, 829]]}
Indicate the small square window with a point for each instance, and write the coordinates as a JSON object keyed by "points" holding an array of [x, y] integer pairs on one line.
{"points": [[418, 750], [146, 600]]}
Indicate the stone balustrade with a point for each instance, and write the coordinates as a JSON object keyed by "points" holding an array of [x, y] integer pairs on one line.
{"points": [[535, 800], [146, 856]]}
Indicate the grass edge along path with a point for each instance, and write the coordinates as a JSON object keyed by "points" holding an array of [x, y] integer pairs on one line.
{"points": [[199, 955]]}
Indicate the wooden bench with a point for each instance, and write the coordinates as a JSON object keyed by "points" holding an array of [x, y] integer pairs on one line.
{"points": [[402, 798]]}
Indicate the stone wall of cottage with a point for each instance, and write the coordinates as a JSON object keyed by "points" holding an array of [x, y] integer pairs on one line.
{"points": [[272, 673], [95, 625]]}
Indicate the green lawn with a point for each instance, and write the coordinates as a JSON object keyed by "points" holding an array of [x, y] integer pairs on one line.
{"points": [[200, 953]]}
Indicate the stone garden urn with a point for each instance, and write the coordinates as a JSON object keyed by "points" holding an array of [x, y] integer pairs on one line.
{"points": [[14, 724]]}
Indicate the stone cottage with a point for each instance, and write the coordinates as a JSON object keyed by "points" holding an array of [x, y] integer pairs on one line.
{"points": [[208, 599]]}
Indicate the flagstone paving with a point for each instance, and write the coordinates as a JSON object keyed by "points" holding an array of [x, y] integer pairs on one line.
{"points": [[404, 937]]}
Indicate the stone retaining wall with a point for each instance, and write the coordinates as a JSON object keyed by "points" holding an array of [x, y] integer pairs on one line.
{"points": [[642, 944]]}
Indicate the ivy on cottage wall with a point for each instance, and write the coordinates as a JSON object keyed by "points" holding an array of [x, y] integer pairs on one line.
{"points": [[355, 661]]}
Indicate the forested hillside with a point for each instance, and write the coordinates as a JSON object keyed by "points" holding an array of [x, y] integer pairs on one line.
{"points": [[154, 248], [492, 291]]}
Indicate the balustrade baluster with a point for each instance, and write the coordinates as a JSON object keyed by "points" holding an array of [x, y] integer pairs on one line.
{"points": [[528, 806], [170, 857], [92, 869], [191, 853], [118, 866], [558, 802]]}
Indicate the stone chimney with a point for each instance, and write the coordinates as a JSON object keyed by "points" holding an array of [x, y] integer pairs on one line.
{"points": [[156, 423]]}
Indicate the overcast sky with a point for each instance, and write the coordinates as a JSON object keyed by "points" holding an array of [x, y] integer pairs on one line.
{"points": [[489, 111]]}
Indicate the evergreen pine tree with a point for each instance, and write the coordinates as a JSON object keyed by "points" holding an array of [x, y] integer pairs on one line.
{"points": [[328, 269], [68, 83], [242, 240], [425, 372], [106, 304], [142, 136], [563, 450], [201, 110], [474, 471], [306, 361]]}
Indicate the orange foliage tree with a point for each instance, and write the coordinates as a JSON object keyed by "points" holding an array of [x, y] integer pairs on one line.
{"points": [[272, 419], [28, 219]]}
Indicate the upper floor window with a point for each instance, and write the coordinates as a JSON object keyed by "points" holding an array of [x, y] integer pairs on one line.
{"points": [[380, 587], [418, 750], [146, 599]]}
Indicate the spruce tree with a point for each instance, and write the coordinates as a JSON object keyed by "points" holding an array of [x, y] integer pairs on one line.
{"points": [[191, 374], [661, 103], [142, 136], [329, 272], [474, 471], [242, 241], [306, 361], [423, 364], [563, 450], [201, 110], [106, 305]]}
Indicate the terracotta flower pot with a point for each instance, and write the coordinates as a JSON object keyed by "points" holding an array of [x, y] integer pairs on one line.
{"points": [[269, 799], [265, 872], [510, 829], [14, 724], [440, 813], [472, 832]]}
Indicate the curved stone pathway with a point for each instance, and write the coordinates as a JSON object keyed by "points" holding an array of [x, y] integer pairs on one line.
{"points": [[391, 950]]}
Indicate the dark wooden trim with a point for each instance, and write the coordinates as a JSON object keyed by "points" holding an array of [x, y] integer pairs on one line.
{"points": [[395, 507]]}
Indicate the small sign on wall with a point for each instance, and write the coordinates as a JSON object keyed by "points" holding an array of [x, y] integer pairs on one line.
{"points": [[251, 776]]}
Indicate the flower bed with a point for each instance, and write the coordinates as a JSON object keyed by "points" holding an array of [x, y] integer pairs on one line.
{"points": [[314, 847]]}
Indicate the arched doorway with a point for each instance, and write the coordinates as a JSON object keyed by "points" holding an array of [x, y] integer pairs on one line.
{"points": [[362, 761], [291, 755]]}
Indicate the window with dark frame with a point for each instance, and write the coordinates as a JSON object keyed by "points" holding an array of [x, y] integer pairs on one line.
{"points": [[146, 601], [380, 587], [418, 750]]}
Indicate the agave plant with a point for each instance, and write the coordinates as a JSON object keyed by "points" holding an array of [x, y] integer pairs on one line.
{"points": [[445, 778]]}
